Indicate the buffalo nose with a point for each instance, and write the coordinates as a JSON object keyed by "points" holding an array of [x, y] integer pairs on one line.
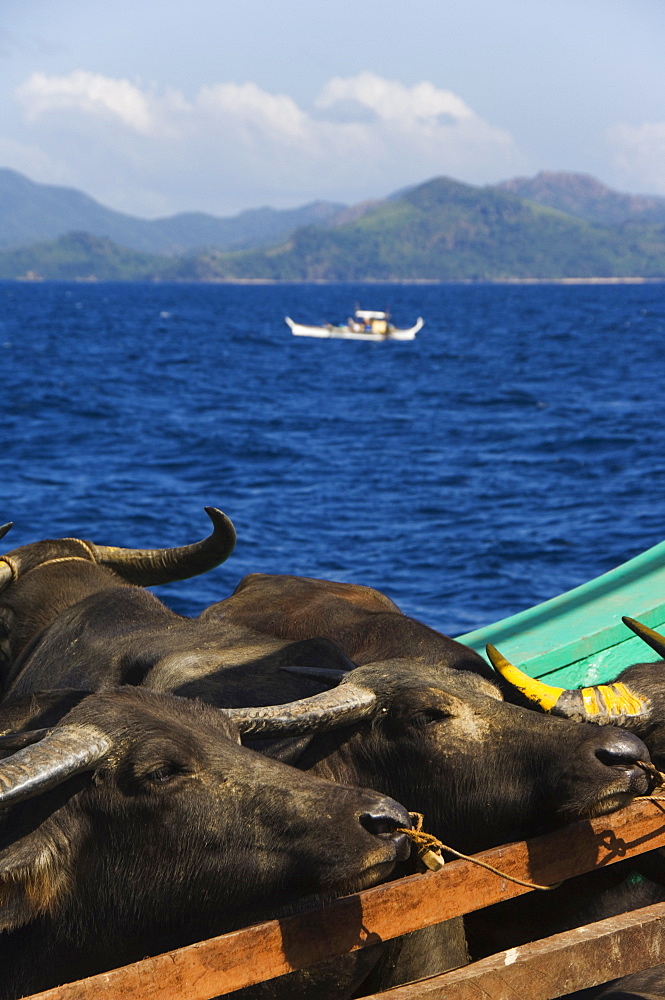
{"points": [[385, 820], [385, 817], [621, 747]]}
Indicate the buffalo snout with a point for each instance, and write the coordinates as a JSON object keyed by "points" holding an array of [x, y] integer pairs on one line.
{"points": [[619, 748], [615, 764], [388, 819]]}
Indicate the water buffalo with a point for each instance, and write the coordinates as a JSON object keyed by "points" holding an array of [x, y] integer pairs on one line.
{"points": [[362, 621], [76, 614], [495, 771], [481, 770], [39, 581], [427, 724], [137, 822], [430, 728], [459, 806]]}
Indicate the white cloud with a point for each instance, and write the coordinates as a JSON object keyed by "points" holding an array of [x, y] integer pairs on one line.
{"points": [[235, 145], [275, 113], [638, 152], [393, 102], [87, 92]]}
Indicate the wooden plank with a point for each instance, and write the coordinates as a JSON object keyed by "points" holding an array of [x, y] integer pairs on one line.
{"points": [[254, 954], [554, 966]]}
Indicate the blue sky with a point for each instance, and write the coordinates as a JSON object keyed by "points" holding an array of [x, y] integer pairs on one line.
{"points": [[157, 106]]}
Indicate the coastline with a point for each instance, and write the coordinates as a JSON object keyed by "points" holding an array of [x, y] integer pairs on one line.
{"points": [[92, 279]]}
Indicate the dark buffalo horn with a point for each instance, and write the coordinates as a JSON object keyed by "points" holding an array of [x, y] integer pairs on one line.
{"points": [[342, 706], [653, 639], [11, 742], [64, 752], [149, 567], [4, 528], [318, 673], [601, 703]]}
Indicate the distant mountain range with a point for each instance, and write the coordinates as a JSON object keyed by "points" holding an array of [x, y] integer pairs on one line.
{"points": [[586, 198], [33, 213], [555, 225]]}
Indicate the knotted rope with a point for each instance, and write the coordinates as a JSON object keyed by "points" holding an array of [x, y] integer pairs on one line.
{"points": [[429, 847], [658, 778], [429, 850]]}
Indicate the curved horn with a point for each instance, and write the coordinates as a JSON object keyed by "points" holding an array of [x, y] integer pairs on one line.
{"points": [[11, 742], [64, 752], [4, 528], [342, 706], [652, 638], [602, 703], [149, 567]]}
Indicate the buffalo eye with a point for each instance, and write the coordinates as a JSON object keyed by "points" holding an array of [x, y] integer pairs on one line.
{"points": [[163, 774], [429, 716]]}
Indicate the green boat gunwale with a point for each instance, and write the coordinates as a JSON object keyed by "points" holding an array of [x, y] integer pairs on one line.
{"points": [[577, 638]]}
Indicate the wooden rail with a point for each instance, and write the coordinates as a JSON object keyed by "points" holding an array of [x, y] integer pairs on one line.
{"points": [[220, 965], [554, 966]]}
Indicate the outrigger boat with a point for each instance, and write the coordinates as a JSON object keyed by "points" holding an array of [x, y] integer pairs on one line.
{"points": [[365, 324]]}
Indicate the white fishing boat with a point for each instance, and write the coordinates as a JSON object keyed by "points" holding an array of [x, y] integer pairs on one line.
{"points": [[365, 324]]}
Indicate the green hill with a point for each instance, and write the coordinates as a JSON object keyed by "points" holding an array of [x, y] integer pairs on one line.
{"points": [[586, 198], [444, 230], [81, 256]]}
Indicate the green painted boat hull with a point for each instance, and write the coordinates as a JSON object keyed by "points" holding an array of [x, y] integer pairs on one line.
{"points": [[578, 638]]}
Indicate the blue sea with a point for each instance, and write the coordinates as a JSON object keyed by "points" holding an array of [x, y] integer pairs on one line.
{"points": [[515, 449]]}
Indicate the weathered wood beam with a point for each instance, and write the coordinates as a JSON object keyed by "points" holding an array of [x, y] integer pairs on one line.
{"points": [[223, 964], [554, 966]]}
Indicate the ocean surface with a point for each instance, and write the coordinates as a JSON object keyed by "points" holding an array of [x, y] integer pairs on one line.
{"points": [[515, 449]]}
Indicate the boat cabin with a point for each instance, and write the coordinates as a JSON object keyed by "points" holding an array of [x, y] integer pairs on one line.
{"points": [[375, 322]]}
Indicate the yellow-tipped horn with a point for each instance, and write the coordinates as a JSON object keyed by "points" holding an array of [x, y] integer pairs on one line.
{"points": [[648, 635], [544, 695], [601, 703]]}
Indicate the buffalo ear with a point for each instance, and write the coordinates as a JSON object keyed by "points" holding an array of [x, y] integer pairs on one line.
{"points": [[18, 904], [33, 877]]}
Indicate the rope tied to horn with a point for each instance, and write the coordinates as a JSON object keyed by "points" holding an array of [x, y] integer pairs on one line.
{"points": [[56, 559], [429, 850]]}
